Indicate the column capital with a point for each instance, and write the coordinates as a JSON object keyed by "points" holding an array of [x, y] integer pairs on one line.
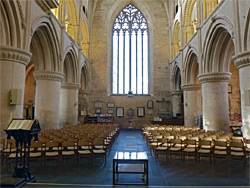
{"points": [[48, 75], [242, 59], [17, 55], [215, 77], [188, 87], [177, 92], [72, 86]]}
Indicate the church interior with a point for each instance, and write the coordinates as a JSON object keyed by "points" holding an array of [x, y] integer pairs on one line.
{"points": [[106, 93]]}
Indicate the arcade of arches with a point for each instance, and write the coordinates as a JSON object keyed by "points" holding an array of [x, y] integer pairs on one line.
{"points": [[58, 57]]}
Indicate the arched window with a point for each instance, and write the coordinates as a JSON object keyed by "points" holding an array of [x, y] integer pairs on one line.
{"points": [[130, 53]]}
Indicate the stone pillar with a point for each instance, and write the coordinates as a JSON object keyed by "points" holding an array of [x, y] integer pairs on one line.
{"points": [[176, 102], [242, 61], [191, 104], [13, 62], [47, 99], [69, 104], [215, 100]]}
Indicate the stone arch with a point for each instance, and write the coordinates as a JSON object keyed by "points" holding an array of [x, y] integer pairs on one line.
{"points": [[11, 24], [191, 67], [113, 12], [217, 39], [44, 44], [85, 38], [175, 38], [70, 69], [187, 21], [84, 78], [247, 33], [72, 21], [176, 78]]}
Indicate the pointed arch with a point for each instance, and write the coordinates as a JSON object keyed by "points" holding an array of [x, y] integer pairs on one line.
{"points": [[176, 39], [176, 78], [191, 67], [85, 38], [217, 38]]}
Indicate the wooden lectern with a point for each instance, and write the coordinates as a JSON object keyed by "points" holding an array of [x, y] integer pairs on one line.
{"points": [[23, 131]]}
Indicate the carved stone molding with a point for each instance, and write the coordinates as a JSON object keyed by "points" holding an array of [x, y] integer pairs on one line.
{"points": [[14, 55], [72, 86], [47, 4], [215, 77], [189, 87], [242, 59], [178, 92], [48, 75]]}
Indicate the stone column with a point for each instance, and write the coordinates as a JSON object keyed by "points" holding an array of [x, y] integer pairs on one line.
{"points": [[13, 62], [176, 102], [215, 100], [242, 61], [191, 105], [47, 99], [69, 104]]}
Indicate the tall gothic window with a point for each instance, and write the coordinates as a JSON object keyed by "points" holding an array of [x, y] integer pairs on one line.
{"points": [[130, 53]]}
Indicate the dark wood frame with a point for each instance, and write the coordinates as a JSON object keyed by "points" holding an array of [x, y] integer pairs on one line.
{"points": [[98, 110], [138, 109], [110, 104], [109, 111], [150, 104], [117, 108]]}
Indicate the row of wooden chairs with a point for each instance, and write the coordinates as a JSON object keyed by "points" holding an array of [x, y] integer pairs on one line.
{"points": [[235, 149]]}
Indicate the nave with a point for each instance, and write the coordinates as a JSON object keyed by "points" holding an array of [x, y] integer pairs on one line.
{"points": [[173, 172]]}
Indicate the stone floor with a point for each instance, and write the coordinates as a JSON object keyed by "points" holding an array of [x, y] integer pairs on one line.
{"points": [[162, 173]]}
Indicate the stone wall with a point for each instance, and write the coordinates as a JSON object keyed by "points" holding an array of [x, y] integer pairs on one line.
{"points": [[159, 58]]}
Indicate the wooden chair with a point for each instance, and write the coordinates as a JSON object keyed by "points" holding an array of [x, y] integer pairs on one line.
{"points": [[205, 149], [99, 149], [37, 149], [176, 148], [10, 148], [84, 150], [163, 148], [190, 148], [68, 150], [237, 150], [220, 149], [50, 153], [2, 147]]}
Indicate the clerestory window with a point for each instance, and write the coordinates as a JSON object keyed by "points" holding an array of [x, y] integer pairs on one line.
{"points": [[130, 71]]}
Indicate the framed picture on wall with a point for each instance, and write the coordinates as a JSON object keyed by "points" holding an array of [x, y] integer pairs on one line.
{"points": [[119, 112], [98, 110], [229, 88], [110, 105], [110, 111], [150, 104], [140, 111], [98, 104]]}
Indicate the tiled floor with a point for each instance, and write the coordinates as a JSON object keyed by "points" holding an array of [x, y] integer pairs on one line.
{"points": [[162, 173]]}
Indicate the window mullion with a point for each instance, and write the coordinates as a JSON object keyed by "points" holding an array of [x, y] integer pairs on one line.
{"points": [[124, 62], [136, 62], [130, 59], [118, 63], [142, 56]]}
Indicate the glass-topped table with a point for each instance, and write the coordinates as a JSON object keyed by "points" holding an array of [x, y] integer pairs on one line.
{"points": [[130, 163]]}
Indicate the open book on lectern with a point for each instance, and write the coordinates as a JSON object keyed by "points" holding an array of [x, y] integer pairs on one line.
{"points": [[21, 124]]}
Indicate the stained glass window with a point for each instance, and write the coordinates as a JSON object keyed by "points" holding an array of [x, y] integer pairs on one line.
{"points": [[130, 53]]}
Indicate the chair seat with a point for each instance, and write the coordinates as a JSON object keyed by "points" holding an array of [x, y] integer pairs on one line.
{"points": [[192, 146], [84, 152], [155, 144], [205, 146], [52, 154], [236, 149], [203, 151], [43, 149], [220, 148], [86, 147], [99, 151], [179, 145], [13, 155], [100, 147], [35, 154], [220, 152], [56, 148], [71, 148], [247, 149], [189, 150], [162, 148], [238, 154], [174, 149], [167, 144], [8, 150], [68, 153]]}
